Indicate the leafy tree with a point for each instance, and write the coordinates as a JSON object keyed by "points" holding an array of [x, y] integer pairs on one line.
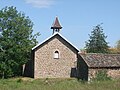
{"points": [[113, 50], [16, 41], [118, 46], [97, 43]]}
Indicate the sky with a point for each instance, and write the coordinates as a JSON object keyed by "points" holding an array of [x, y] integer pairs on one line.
{"points": [[77, 17]]}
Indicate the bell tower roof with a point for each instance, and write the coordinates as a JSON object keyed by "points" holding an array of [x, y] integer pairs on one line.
{"points": [[56, 24]]}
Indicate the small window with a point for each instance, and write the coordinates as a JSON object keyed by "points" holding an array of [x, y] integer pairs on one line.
{"points": [[56, 54]]}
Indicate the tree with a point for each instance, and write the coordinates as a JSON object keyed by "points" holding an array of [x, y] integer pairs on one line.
{"points": [[113, 50], [118, 46], [97, 43], [16, 41]]}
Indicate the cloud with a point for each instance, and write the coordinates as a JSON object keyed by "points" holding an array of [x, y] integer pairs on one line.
{"points": [[40, 3]]}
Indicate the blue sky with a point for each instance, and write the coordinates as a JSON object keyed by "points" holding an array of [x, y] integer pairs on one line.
{"points": [[77, 17]]}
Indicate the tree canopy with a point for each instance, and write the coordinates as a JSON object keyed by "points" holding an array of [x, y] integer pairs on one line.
{"points": [[97, 42], [16, 41], [118, 46]]}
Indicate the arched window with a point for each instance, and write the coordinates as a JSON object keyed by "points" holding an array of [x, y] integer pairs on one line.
{"points": [[56, 54]]}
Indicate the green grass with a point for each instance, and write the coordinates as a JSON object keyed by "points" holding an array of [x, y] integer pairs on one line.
{"points": [[57, 84]]}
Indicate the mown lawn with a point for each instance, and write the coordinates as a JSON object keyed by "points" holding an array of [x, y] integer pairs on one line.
{"points": [[56, 84]]}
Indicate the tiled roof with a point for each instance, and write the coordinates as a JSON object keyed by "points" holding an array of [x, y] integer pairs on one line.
{"points": [[56, 24], [101, 60]]}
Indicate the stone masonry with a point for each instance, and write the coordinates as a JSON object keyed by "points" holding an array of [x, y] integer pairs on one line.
{"points": [[46, 66], [114, 73]]}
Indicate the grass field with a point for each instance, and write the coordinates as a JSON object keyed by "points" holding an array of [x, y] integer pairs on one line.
{"points": [[57, 84]]}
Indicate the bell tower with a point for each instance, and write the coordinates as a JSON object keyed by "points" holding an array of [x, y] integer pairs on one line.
{"points": [[56, 26]]}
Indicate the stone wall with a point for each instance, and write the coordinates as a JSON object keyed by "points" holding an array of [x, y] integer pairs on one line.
{"points": [[46, 66], [112, 72]]}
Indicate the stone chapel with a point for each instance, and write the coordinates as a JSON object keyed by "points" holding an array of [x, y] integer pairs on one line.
{"points": [[56, 57]]}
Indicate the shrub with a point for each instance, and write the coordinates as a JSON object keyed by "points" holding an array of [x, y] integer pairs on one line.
{"points": [[19, 80], [102, 75]]}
